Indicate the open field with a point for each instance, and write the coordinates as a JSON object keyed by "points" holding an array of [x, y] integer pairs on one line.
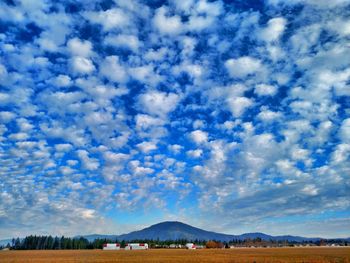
{"points": [[326, 254]]}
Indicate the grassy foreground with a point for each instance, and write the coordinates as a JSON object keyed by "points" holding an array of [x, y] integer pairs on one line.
{"points": [[319, 254]]}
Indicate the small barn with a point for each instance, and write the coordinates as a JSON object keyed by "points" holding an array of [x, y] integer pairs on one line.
{"points": [[111, 246], [136, 246], [190, 246]]}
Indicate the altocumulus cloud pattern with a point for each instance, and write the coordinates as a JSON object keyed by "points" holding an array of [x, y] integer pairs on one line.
{"points": [[230, 115]]}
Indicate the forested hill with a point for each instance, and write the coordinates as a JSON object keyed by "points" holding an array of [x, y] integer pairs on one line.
{"points": [[172, 230]]}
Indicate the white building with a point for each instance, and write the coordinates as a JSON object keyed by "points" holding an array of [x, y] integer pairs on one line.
{"points": [[111, 246], [136, 246], [175, 246], [190, 246]]}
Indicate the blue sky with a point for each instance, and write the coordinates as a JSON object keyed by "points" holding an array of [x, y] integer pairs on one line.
{"points": [[227, 115]]}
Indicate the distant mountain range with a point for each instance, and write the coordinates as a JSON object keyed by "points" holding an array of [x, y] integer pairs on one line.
{"points": [[172, 230]]}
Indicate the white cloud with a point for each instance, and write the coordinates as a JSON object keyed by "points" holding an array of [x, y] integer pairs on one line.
{"points": [[144, 121], [3, 72], [203, 14], [299, 153], [274, 29], [342, 27], [80, 48], [198, 23], [63, 147], [112, 157], [238, 105], [158, 103], [24, 124], [62, 81], [167, 24], [66, 170], [138, 170], [147, 147], [195, 153], [197, 124], [113, 70], [344, 131], [122, 40], [20, 136], [266, 115], [7, 116], [209, 8], [109, 19], [98, 118], [243, 66], [145, 74], [72, 162], [81, 65], [70, 134], [156, 55], [310, 190], [265, 90], [341, 153], [11, 14], [4, 98], [47, 44], [229, 125], [323, 4], [88, 162], [175, 148], [199, 136]]}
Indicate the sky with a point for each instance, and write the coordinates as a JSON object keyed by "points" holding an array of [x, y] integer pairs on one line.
{"points": [[232, 116]]}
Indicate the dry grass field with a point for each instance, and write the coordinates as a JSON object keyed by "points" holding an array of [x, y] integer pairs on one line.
{"points": [[335, 255]]}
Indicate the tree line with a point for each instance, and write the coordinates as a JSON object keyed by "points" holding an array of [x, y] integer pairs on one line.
{"points": [[48, 242]]}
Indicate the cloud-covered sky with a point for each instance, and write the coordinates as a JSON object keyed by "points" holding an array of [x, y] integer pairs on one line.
{"points": [[233, 116]]}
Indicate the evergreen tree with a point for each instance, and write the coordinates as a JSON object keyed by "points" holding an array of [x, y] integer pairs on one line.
{"points": [[17, 243]]}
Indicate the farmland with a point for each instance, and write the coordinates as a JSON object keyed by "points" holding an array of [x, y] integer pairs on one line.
{"points": [[315, 254]]}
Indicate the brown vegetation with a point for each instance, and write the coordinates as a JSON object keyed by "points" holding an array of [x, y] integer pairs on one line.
{"points": [[258, 255], [214, 244]]}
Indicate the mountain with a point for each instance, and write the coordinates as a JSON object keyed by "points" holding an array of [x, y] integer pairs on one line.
{"points": [[98, 236], [172, 230], [4, 242]]}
